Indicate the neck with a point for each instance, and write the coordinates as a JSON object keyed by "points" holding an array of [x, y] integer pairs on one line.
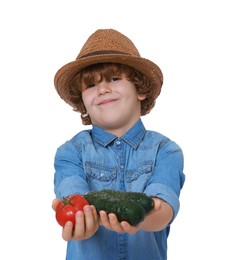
{"points": [[120, 131]]}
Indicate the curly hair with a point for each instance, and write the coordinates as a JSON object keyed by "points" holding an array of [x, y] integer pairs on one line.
{"points": [[106, 71]]}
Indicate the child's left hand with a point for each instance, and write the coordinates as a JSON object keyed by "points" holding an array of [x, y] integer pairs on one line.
{"points": [[110, 221]]}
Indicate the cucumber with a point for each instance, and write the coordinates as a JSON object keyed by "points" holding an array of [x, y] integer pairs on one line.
{"points": [[128, 206], [129, 211], [141, 198]]}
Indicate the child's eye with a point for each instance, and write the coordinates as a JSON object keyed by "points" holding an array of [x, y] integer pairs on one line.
{"points": [[90, 85], [115, 78]]}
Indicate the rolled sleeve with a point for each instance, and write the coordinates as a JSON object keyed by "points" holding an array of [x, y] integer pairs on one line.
{"points": [[69, 177], [165, 193], [168, 177]]}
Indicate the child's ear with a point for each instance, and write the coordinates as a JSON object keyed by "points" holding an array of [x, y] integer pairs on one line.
{"points": [[141, 97]]}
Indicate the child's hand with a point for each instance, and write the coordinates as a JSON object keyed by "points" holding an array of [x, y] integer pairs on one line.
{"points": [[87, 223], [55, 202], [111, 222]]}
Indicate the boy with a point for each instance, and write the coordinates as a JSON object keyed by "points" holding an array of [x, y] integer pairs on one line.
{"points": [[112, 86]]}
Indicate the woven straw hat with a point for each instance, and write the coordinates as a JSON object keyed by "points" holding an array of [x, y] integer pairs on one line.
{"points": [[104, 46]]}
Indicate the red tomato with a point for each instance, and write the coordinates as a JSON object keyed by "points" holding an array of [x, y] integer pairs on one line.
{"points": [[67, 208]]}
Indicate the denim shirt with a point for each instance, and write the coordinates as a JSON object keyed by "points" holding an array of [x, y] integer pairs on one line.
{"points": [[141, 161]]}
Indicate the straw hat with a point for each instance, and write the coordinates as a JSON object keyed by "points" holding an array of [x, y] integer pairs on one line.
{"points": [[103, 46]]}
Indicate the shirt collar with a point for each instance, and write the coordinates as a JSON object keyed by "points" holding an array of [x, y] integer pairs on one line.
{"points": [[133, 136]]}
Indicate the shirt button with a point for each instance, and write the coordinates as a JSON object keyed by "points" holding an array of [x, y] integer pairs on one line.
{"points": [[122, 166], [118, 142]]}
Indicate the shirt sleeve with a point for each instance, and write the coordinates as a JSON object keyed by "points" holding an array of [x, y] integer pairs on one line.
{"points": [[69, 177], [168, 177]]}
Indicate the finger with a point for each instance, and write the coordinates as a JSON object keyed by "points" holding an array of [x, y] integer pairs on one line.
{"points": [[89, 219], [157, 204], [67, 231], [55, 202], [79, 226], [95, 213], [104, 219], [128, 228], [115, 224]]}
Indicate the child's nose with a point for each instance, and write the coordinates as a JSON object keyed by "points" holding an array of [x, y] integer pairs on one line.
{"points": [[103, 88]]}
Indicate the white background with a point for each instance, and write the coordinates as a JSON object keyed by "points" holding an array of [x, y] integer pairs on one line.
{"points": [[187, 39]]}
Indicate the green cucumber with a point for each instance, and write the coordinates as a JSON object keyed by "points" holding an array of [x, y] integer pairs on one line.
{"points": [[141, 198], [128, 206]]}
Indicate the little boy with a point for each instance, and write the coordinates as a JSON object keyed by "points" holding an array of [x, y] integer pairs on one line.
{"points": [[112, 86]]}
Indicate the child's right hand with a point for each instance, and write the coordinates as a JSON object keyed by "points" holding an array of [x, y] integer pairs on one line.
{"points": [[87, 223], [110, 222]]}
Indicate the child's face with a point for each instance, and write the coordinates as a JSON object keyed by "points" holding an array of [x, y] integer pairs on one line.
{"points": [[113, 105]]}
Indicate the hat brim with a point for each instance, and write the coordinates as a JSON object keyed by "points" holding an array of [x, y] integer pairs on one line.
{"points": [[145, 66]]}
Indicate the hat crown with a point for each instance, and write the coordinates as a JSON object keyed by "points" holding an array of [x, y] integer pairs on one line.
{"points": [[108, 41]]}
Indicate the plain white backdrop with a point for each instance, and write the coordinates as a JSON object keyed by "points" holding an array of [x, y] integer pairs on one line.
{"points": [[187, 39]]}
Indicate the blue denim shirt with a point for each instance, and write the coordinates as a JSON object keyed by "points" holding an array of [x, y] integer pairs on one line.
{"points": [[141, 161]]}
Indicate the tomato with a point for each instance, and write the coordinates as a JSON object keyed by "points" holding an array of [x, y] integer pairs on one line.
{"points": [[67, 208]]}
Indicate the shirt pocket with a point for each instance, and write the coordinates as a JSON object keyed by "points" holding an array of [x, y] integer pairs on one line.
{"points": [[137, 178], [100, 176]]}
